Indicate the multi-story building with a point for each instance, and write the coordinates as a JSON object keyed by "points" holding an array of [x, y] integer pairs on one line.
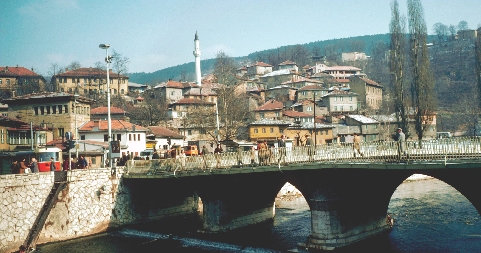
{"points": [[267, 129], [270, 110], [60, 111], [258, 69], [90, 82], [343, 72], [170, 91], [369, 127], [292, 66], [20, 80], [340, 101], [370, 92]]}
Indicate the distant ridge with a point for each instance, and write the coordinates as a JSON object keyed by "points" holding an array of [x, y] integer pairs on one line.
{"points": [[188, 69]]}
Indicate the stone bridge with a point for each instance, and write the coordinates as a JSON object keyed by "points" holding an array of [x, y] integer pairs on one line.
{"points": [[348, 195]]}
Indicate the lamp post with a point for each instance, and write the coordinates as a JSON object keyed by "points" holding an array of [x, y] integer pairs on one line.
{"points": [[108, 59]]}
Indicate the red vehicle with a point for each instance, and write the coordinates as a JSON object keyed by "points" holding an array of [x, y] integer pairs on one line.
{"points": [[43, 156]]}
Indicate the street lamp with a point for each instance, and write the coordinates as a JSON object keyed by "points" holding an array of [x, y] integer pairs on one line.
{"points": [[108, 59]]}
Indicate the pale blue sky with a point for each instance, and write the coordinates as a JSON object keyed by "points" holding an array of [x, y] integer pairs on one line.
{"points": [[156, 34]]}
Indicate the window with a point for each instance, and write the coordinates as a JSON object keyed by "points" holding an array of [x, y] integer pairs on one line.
{"points": [[189, 132], [309, 108], [82, 137], [54, 109], [36, 110], [64, 79], [42, 110], [335, 98], [341, 99], [335, 108], [130, 137], [8, 81], [277, 114], [48, 109], [119, 137], [271, 130], [2, 137], [350, 108], [350, 98], [263, 130], [61, 132], [65, 109], [138, 137], [85, 91], [122, 91], [172, 93], [106, 137], [262, 115], [342, 108], [256, 130], [0, 81]]}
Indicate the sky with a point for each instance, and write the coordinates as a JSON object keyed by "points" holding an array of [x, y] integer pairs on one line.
{"points": [[156, 34]]}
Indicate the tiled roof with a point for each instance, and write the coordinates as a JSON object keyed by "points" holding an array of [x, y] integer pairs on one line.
{"points": [[343, 68], [270, 106], [200, 92], [159, 131], [312, 87], [261, 64], [302, 80], [287, 63], [103, 110], [88, 72], [191, 101], [46, 95], [371, 82], [17, 71], [117, 125], [293, 114], [362, 119]]}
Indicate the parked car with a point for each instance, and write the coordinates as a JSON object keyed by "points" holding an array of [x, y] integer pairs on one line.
{"points": [[191, 150]]}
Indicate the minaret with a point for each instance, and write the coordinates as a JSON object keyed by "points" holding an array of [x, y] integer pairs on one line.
{"points": [[197, 60]]}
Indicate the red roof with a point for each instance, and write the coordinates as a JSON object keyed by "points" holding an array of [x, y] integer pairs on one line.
{"points": [[271, 106], [287, 63], [174, 84], [17, 71], [369, 81], [88, 72], [117, 125], [164, 132], [292, 114], [103, 110], [312, 87], [261, 64], [191, 101]]}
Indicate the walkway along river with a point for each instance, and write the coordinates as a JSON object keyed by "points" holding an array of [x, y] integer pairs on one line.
{"points": [[430, 216]]}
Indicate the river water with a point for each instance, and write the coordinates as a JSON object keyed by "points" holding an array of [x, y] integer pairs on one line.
{"points": [[430, 216]]}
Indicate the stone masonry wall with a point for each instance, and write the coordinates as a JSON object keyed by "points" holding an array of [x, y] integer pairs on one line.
{"points": [[92, 202]]}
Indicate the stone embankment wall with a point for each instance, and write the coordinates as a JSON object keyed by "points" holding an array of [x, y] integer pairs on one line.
{"points": [[92, 202]]}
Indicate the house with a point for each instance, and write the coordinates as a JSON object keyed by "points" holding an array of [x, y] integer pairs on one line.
{"points": [[278, 77], [353, 56], [339, 101], [267, 129], [320, 133], [202, 93], [90, 82], [281, 93], [295, 116], [170, 91], [370, 92], [101, 113], [138, 88], [301, 82], [313, 91], [342, 72], [258, 69], [20, 80], [132, 137], [292, 66], [467, 34], [52, 109], [184, 106], [369, 127], [162, 135], [272, 109], [307, 106]]}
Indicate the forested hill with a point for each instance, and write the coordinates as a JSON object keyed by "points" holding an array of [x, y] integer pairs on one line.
{"points": [[297, 53]]}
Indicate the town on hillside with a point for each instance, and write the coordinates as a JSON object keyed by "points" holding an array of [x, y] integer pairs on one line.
{"points": [[327, 101]]}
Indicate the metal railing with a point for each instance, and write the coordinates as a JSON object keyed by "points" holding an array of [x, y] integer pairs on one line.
{"points": [[372, 152]]}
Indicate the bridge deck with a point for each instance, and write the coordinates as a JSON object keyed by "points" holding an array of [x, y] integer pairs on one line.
{"points": [[447, 153]]}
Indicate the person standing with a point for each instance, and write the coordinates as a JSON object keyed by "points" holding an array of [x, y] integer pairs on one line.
{"points": [[14, 167], [357, 144], [401, 142], [217, 151], [204, 150], [82, 163], [253, 156], [281, 145], [34, 165], [52, 165], [23, 166], [310, 147]]}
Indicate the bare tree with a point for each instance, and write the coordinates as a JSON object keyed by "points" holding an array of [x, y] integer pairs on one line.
{"points": [[396, 65], [463, 25], [119, 66], [422, 86], [151, 112], [452, 31], [225, 69], [74, 65], [440, 30]]}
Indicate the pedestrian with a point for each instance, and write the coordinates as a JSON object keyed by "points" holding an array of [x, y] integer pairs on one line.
{"points": [[65, 165], [281, 145], [155, 155], [253, 156], [401, 142], [310, 147], [217, 151], [182, 157], [263, 155], [52, 165], [34, 165], [82, 163], [23, 166], [239, 156], [14, 167], [357, 144], [204, 150]]}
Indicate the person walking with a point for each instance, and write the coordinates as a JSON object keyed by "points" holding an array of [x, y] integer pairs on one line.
{"points": [[281, 145], [34, 165], [401, 142], [204, 150], [253, 156], [217, 151], [357, 145], [310, 147], [52, 165]]}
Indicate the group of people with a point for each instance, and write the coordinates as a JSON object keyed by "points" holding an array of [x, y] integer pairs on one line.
{"points": [[82, 163], [22, 166]]}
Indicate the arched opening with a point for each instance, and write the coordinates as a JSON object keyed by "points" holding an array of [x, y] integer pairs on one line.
{"points": [[434, 215]]}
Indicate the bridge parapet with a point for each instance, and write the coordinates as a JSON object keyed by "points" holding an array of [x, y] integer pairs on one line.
{"points": [[372, 152]]}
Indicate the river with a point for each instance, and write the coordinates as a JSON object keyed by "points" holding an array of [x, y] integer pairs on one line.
{"points": [[430, 216]]}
